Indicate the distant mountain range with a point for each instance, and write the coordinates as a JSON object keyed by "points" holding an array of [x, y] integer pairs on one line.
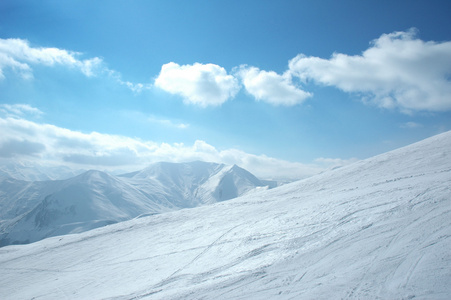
{"points": [[376, 229], [33, 210]]}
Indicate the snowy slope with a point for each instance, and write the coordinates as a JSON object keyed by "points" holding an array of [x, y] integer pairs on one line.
{"points": [[31, 211], [377, 229]]}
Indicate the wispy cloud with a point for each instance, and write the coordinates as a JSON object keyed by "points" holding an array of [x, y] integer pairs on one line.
{"points": [[19, 110], [22, 138], [167, 123], [200, 84], [397, 71], [134, 87], [411, 125], [19, 56], [270, 87]]}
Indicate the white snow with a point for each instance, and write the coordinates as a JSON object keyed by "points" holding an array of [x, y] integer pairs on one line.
{"points": [[196, 183], [31, 211], [377, 229]]}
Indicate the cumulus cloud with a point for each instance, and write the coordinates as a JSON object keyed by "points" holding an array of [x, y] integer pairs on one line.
{"points": [[271, 87], [397, 71], [23, 138], [200, 84], [18, 55], [62, 144]]}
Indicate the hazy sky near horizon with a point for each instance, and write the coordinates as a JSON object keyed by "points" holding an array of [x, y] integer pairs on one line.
{"points": [[282, 88]]}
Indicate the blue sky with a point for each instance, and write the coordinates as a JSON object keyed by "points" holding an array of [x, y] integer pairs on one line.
{"points": [[282, 88]]}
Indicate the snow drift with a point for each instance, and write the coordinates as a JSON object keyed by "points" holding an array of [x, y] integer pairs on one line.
{"points": [[380, 228]]}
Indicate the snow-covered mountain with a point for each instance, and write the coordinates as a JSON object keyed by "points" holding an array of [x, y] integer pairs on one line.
{"points": [[31, 211], [197, 183], [377, 229]]}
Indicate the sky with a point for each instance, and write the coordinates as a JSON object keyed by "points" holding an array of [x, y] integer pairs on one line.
{"points": [[285, 89]]}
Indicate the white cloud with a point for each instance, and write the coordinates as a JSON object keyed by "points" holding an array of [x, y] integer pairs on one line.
{"points": [[200, 84], [397, 71], [18, 110], [411, 125], [135, 87], [167, 123], [16, 147], [23, 138], [271, 87], [7, 61], [18, 55]]}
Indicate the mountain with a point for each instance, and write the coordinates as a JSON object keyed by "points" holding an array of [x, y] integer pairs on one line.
{"points": [[87, 201], [31, 211], [377, 229], [197, 183]]}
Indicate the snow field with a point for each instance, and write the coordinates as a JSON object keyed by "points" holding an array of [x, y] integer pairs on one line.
{"points": [[377, 229]]}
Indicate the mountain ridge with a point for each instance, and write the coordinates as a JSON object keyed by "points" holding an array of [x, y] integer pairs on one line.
{"points": [[95, 198], [377, 229]]}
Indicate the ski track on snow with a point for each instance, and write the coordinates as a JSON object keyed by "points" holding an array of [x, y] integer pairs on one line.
{"points": [[377, 229]]}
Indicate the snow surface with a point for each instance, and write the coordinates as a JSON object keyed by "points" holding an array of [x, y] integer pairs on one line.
{"points": [[377, 229], [31, 211]]}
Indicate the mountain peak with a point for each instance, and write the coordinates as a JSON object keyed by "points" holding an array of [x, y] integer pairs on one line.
{"points": [[92, 176]]}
